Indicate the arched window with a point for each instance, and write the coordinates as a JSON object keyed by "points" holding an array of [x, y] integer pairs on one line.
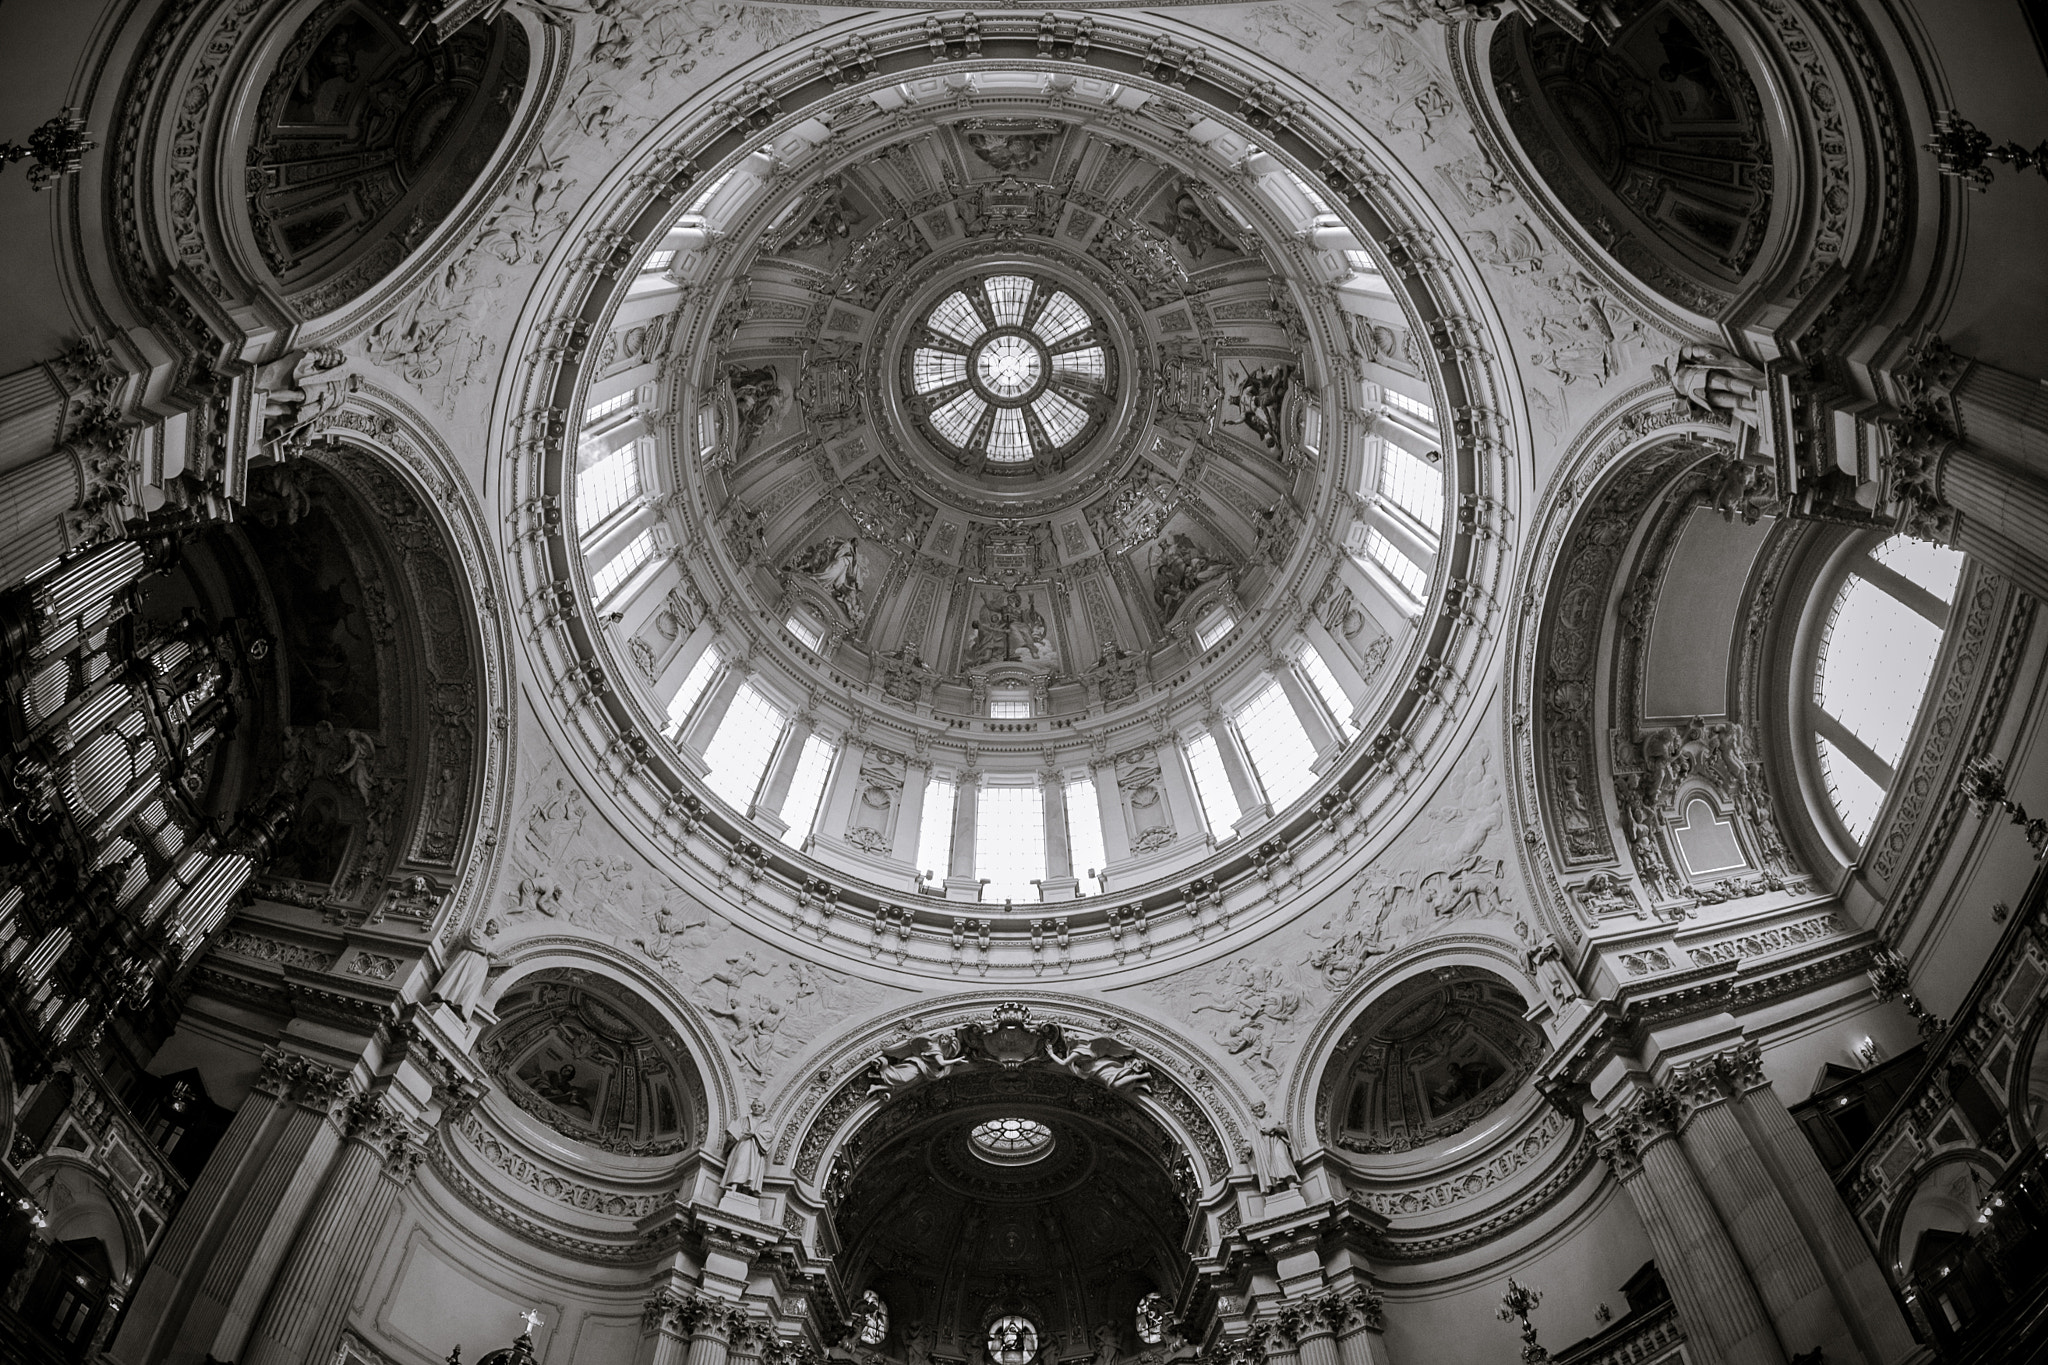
{"points": [[1875, 655]]}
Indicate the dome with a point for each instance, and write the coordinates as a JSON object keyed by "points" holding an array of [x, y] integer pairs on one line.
{"points": [[582, 1055], [1004, 429], [1430, 1058]]}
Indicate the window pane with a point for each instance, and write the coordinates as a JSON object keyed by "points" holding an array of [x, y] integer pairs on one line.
{"points": [[1007, 297], [606, 486], [620, 566], [1214, 627], [806, 632], [694, 683], [935, 832], [1007, 440], [1062, 420], [1403, 403], [1086, 363], [597, 412], [1875, 657], [1933, 567], [1061, 317], [1315, 198], [1317, 670], [657, 261], [1009, 841], [1412, 484], [1404, 570], [1009, 708], [932, 369], [955, 317], [738, 754], [955, 418], [1278, 747], [807, 789], [1212, 786], [1084, 831], [1856, 797]]}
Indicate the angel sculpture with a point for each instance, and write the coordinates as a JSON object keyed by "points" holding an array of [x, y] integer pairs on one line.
{"points": [[920, 1059], [1105, 1060]]}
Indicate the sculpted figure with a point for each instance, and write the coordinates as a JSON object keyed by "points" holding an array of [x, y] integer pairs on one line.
{"points": [[920, 1059], [1275, 1153], [746, 1161], [1713, 382], [463, 979], [1112, 1063]]}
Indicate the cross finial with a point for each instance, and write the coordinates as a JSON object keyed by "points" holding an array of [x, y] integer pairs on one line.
{"points": [[532, 1319]]}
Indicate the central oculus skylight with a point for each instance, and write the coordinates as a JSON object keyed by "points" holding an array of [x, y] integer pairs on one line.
{"points": [[1010, 368]]}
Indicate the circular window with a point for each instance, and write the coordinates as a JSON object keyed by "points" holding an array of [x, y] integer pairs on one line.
{"points": [[1010, 368], [1011, 1142], [871, 1318], [1012, 1340]]}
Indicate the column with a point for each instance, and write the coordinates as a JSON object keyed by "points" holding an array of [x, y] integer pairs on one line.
{"points": [[33, 500], [333, 1246], [1184, 812], [2004, 514], [1358, 1318], [1308, 710], [710, 1337], [1280, 1341], [1060, 883], [240, 1275], [1781, 1265], [1109, 811], [917, 773], [1252, 808], [767, 809], [1859, 1284], [1724, 1321], [228, 1169], [961, 883], [666, 1320], [1315, 1339], [711, 713], [842, 788]]}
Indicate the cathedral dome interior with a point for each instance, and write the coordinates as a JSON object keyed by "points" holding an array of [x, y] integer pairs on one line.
{"points": [[1304, 682]]}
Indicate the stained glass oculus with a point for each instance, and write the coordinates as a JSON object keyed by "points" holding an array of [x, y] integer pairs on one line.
{"points": [[1009, 369]]}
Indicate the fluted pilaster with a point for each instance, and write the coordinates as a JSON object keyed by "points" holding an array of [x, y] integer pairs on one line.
{"points": [[334, 1244], [1724, 1320]]}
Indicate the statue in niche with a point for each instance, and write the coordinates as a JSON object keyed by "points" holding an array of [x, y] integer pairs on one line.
{"points": [[834, 565], [463, 979], [1008, 629], [746, 1161], [1274, 1154], [1179, 567]]}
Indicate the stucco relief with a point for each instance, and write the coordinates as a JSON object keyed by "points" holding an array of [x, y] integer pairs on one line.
{"points": [[568, 863], [442, 340], [1449, 867]]}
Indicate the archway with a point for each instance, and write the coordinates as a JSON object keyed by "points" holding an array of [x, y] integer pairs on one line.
{"points": [[367, 136], [1655, 141], [1002, 1215]]}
